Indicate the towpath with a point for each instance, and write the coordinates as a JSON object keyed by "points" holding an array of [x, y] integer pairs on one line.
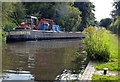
{"points": [[89, 71]]}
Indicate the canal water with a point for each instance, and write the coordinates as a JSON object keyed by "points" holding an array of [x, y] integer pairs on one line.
{"points": [[40, 60]]}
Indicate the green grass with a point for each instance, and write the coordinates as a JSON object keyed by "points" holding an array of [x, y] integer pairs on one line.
{"points": [[112, 66], [103, 78]]}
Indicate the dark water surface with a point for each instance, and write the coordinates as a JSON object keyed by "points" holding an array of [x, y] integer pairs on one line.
{"points": [[39, 60]]}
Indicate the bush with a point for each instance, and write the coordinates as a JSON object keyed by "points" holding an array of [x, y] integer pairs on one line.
{"points": [[2, 35], [100, 44], [9, 26]]}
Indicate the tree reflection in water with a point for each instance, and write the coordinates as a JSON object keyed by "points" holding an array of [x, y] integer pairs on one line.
{"points": [[40, 60]]}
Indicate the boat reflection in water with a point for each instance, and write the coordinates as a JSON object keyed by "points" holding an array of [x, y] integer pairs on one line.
{"points": [[38, 60]]}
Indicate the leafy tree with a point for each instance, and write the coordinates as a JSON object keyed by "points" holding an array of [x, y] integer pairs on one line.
{"points": [[115, 25], [41, 9], [116, 11], [7, 11], [105, 22], [64, 14], [87, 15], [68, 16], [12, 14], [19, 12], [95, 23]]}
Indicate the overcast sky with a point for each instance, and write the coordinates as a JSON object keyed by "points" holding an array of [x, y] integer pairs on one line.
{"points": [[103, 8]]}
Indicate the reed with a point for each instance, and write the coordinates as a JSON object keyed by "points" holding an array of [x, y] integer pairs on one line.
{"points": [[100, 44]]}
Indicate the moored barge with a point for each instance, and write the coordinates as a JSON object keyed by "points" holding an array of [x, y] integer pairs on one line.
{"points": [[33, 29], [25, 35]]}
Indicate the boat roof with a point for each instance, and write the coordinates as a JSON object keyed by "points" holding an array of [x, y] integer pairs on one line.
{"points": [[31, 17]]}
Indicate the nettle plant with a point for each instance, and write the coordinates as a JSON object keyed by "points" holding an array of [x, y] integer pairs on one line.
{"points": [[99, 44]]}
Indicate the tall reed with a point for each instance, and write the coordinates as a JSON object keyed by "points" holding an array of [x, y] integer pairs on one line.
{"points": [[100, 44]]}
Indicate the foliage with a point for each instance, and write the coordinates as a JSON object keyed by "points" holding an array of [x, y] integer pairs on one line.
{"points": [[95, 23], [2, 35], [64, 14], [68, 16], [19, 13], [12, 14], [105, 22], [100, 44], [87, 9], [7, 11], [116, 11], [115, 26], [9, 26], [41, 9], [101, 78], [112, 66]]}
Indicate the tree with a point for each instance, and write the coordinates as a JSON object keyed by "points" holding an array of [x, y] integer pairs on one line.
{"points": [[41, 9], [116, 11], [7, 11], [87, 15], [115, 25], [68, 16], [63, 13], [19, 13], [105, 22], [12, 14]]}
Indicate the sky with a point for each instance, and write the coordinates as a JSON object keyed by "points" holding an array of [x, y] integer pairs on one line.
{"points": [[103, 8]]}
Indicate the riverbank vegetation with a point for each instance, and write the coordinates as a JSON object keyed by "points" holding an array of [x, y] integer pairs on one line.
{"points": [[113, 24], [102, 46]]}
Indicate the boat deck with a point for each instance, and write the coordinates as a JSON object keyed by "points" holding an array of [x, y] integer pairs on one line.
{"points": [[24, 35]]}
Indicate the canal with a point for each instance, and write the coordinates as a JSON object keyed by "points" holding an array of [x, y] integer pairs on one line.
{"points": [[40, 60]]}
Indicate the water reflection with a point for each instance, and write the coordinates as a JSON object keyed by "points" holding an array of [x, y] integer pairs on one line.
{"points": [[38, 60]]}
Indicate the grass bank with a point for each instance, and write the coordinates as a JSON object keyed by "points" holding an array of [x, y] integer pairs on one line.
{"points": [[102, 47], [102, 78]]}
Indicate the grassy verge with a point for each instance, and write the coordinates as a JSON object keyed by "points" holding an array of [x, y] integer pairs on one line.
{"points": [[112, 66], [105, 78], [102, 46]]}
